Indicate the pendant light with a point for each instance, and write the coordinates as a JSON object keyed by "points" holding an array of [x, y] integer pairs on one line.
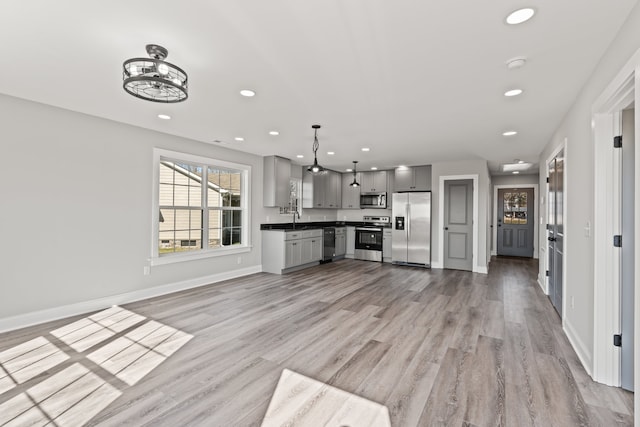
{"points": [[316, 168], [354, 183], [154, 79]]}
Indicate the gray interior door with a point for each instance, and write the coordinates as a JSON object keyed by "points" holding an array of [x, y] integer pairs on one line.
{"points": [[627, 293], [458, 224], [515, 222], [555, 232]]}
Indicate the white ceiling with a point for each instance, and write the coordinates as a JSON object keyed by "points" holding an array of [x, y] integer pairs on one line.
{"points": [[416, 81]]}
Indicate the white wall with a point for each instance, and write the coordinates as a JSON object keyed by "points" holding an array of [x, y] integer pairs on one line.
{"points": [[468, 167], [576, 129], [76, 195]]}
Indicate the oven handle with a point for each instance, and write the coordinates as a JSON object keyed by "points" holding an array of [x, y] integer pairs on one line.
{"points": [[368, 229]]}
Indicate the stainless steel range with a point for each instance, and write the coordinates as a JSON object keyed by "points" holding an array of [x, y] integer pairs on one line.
{"points": [[369, 238]]}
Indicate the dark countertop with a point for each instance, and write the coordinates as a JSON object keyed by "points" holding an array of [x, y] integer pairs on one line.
{"points": [[287, 226]]}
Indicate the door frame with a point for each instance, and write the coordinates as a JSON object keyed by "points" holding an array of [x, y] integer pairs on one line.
{"points": [[606, 121], [475, 245], [544, 283], [494, 236]]}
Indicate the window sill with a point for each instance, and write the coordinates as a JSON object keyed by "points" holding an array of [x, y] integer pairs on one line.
{"points": [[172, 259]]}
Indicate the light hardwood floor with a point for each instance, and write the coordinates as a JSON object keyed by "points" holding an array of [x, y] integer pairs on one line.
{"points": [[436, 347]]}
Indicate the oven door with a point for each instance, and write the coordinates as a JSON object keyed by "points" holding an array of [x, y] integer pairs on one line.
{"points": [[369, 238]]}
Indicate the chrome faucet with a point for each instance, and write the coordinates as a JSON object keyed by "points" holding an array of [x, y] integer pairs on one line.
{"points": [[295, 213]]}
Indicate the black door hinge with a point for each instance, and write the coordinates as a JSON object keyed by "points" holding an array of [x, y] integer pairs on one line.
{"points": [[617, 141], [617, 340], [547, 273], [617, 241], [547, 180]]}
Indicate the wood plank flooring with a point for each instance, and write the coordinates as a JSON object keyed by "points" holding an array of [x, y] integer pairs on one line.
{"points": [[436, 347]]}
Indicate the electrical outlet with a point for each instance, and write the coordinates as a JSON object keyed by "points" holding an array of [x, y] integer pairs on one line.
{"points": [[572, 302], [147, 270], [587, 229], [267, 218]]}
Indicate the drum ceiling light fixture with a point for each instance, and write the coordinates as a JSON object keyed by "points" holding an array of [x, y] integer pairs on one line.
{"points": [[154, 79]]}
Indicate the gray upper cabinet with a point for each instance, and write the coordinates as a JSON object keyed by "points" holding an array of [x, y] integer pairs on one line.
{"points": [[417, 178], [322, 191], [350, 195], [275, 183], [373, 182]]}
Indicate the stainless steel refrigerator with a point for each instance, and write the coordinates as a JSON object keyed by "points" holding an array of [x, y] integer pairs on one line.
{"points": [[411, 233]]}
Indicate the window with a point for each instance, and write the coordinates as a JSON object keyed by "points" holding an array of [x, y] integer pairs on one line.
{"points": [[202, 205], [515, 208]]}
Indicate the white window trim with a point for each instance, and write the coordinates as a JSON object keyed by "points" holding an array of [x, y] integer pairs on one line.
{"points": [[155, 258]]}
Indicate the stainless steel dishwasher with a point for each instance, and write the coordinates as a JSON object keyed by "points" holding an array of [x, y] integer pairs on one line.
{"points": [[329, 244]]}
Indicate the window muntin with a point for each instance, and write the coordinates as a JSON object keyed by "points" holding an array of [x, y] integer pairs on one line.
{"points": [[197, 217]]}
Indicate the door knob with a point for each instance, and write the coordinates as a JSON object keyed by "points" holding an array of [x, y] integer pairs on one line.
{"points": [[446, 228], [551, 239]]}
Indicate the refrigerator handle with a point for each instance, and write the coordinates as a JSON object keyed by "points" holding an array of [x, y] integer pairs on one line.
{"points": [[408, 221]]}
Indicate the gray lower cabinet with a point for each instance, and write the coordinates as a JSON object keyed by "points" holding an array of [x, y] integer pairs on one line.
{"points": [[386, 244], [351, 242], [341, 242], [284, 251]]}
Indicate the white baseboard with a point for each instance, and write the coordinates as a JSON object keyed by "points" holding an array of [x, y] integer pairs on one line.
{"points": [[541, 284], [55, 313], [436, 265], [494, 253], [582, 350], [481, 270]]}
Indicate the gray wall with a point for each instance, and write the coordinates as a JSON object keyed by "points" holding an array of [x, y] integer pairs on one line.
{"points": [[576, 128], [515, 179], [76, 218]]}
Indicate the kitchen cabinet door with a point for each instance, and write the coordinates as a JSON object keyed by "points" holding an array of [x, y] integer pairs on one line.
{"points": [[275, 182], [374, 182], [293, 253], [351, 241], [333, 190], [417, 178], [341, 245], [350, 195], [316, 249]]}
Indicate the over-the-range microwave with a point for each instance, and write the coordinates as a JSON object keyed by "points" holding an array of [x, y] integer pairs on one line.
{"points": [[377, 200]]}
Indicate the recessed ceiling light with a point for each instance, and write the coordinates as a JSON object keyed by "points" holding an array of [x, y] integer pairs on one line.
{"points": [[519, 16], [513, 92], [247, 92], [331, 153], [510, 133], [349, 170], [274, 132], [520, 161], [517, 62], [403, 168], [510, 167], [164, 116], [373, 168], [299, 156], [515, 172], [365, 149], [239, 138]]}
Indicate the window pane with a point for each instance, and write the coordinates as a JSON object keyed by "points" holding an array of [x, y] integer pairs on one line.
{"points": [[213, 176], [165, 242], [215, 219], [235, 180], [166, 172], [195, 196], [235, 200], [214, 198], [231, 236], [181, 174], [214, 237], [167, 217], [182, 219], [196, 219], [166, 195]]}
